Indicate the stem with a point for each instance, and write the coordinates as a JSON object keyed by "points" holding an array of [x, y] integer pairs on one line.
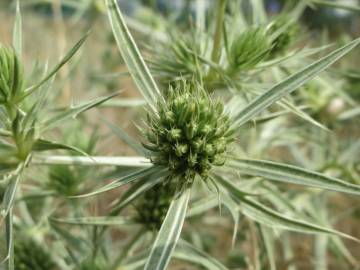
{"points": [[91, 161], [216, 52], [10, 240]]}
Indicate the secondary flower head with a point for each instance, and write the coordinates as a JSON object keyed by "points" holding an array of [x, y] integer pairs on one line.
{"points": [[153, 205], [283, 32], [189, 133], [248, 49], [11, 76], [30, 255]]}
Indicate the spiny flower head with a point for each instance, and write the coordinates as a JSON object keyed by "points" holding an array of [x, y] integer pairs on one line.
{"points": [[189, 133], [11, 76], [30, 255], [248, 49], [153, 205]]}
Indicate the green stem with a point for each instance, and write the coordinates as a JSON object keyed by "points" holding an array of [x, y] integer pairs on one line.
{"points": [[216, 52], [10, 240]]}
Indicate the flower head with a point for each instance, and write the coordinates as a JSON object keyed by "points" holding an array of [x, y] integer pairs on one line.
{"points": [[153, 205], [11, 76], [248, 49], [189, 134]]}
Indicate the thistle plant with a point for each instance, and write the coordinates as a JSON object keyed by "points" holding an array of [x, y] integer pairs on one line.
{"points": [[220, 105], [173, 107]]}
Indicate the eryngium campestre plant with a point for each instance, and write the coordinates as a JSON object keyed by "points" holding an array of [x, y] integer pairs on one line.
{"points": [[29, 255], [153, 205], [189, 133]]}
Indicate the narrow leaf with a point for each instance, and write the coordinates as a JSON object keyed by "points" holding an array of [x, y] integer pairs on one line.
{"points": [[67, 57], [9, 195], [94, 221], [136, 176], [73, 112], [17, 33], [136, 190], [268, 217], [291, 174], [169, 233], [268, 237], [125, 137], [131, 55], [45, 145]]}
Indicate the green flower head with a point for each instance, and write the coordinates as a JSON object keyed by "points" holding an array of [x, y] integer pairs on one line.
{"points": [[248, 49], [30, 255], [189, 133], [11, 76], [153, 205]]}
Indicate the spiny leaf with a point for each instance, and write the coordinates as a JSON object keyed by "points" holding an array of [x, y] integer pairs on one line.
{"points": [[17, 33], [291, 174], [94, 221], [125, 137], [169, 233], [73, 112], [45, 145], [136, 190], [131, 55], [67, 57], [9, 260], [9, 195], [135, 176], [269, 217], [269, 243], [290, 84]]}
